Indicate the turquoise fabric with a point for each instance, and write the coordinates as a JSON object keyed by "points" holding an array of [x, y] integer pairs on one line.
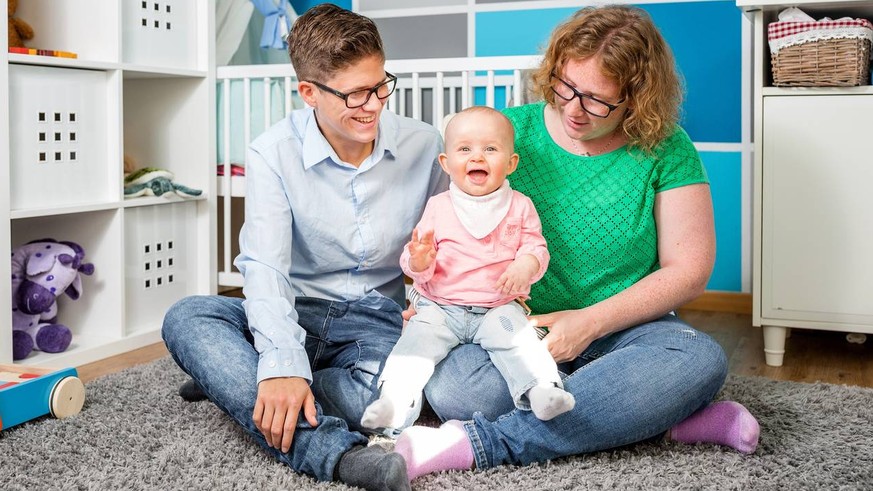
{"points": [[256, 119]]}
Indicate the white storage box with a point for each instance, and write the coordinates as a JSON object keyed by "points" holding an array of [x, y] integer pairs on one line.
{"points": [[160, 33], [58, 123], [159, 257]]}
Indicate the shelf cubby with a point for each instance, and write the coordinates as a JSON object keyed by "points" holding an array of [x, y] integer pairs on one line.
{"points": [[95, 317]]}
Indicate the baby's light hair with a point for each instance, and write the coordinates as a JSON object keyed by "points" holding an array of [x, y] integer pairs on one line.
{"points": [[484, 110]]}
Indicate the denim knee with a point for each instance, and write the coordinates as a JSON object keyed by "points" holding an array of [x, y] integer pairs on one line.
{"points": [[176, 316], [705, 363], [713, 366], [466, 382], [193, 312]]}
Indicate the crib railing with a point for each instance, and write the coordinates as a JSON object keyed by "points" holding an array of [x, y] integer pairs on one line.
{"points": [[427, 89]]}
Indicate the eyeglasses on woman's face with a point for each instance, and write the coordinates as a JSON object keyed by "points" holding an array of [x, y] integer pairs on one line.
{"points": [[590, 104], [358, 98]]}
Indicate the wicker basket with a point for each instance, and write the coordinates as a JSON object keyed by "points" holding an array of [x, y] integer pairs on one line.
{"points": [[823, 63]]}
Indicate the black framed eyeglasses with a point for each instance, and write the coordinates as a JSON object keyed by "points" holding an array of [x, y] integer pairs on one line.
{"points": [[358, 98], [590, 104]]}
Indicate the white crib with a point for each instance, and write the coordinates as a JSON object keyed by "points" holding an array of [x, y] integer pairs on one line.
{"points": [[427, 89]]}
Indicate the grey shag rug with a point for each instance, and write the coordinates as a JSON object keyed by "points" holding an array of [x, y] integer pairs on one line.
{"points": [[136, 433]]}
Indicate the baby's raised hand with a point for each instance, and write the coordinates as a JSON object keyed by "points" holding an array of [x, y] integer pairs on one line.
{"points": [[422, 251], [516, 278]]}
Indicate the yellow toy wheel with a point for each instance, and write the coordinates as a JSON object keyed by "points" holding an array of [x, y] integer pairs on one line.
{"points": [[67, 398]]}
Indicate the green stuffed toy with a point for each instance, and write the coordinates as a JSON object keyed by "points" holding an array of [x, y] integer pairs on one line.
{"points": [[152, 181]]}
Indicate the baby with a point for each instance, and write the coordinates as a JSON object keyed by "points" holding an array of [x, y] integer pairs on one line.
{"points": [[477, 248]]}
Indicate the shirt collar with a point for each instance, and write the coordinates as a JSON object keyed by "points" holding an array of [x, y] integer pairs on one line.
{"points": [[316, 148]]}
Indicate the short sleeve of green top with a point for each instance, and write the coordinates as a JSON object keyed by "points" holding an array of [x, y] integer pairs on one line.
{"points": [[597, 212]]}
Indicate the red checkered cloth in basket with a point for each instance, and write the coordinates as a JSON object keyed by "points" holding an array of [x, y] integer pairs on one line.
{"points": [[782, 29]]}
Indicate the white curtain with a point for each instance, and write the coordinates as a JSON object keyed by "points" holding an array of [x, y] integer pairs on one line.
{"points": [[231, 20]]}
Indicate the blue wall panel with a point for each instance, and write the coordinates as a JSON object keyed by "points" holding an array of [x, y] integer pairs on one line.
{"points": [[301, 6], [725, 176], [480, 97], [516, 32], [706, 40]]}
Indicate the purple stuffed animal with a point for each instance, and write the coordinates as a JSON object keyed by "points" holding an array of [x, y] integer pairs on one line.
{"points": [[41, 271]]}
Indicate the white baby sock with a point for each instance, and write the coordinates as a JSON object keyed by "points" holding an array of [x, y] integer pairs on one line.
{"points": [[548, 401], [389, 411]]}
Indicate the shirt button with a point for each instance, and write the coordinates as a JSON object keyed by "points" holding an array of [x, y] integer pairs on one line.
{"points": [[287, 363], [272, 333], [272, 364]]}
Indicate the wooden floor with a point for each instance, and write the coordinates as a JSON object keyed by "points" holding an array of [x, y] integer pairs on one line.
{"points": [[810, 355]]}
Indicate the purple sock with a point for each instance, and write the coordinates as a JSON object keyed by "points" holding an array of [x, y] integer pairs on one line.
{"points": [[723, 422], [428, 450]]}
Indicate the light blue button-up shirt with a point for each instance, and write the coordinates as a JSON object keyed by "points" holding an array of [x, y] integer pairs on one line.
{"points": [[318, 227]]}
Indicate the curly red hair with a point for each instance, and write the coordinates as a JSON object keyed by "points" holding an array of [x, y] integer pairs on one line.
{"points": [[631, 52]]}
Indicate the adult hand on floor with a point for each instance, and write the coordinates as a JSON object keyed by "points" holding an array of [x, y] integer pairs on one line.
{"points": [[278, 406]]}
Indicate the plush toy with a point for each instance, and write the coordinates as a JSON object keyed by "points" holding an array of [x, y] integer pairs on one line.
{"points": [[41, 271], [19, 31], [152, 181]]}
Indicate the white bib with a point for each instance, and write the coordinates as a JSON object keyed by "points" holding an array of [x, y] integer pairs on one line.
{"points": [[481, 214]]}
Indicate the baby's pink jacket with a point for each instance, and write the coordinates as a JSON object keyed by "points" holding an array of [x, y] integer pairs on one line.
{"points": [[466, 269]]}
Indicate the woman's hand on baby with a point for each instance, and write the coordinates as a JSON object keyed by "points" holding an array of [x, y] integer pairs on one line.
{"points": [[516, 279], [422, 251], [570, 333]]}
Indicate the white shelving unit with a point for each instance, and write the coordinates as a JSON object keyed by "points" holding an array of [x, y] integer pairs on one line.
{"points": [[813, 209], [143, 86]]}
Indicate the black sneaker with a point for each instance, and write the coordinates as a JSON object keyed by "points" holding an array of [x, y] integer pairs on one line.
{"points": [[191, 391]]}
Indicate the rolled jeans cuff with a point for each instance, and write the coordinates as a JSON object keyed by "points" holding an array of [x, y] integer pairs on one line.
{"points": [[479, 456]]}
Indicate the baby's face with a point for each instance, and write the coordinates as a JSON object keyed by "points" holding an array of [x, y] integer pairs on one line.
{"points": [[479, 152]]}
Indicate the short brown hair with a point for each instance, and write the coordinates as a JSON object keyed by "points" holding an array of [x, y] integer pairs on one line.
{"points": [[327, 39], [633, 53]]}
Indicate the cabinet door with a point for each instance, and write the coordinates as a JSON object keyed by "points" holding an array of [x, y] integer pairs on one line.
{"points": [[817, 204]]}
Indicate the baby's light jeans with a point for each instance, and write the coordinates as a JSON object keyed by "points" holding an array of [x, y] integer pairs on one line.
{"points": [[504, 332]]}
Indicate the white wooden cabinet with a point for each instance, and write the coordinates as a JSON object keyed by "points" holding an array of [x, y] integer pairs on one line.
{"points": [[143, 86], [813, 205]]}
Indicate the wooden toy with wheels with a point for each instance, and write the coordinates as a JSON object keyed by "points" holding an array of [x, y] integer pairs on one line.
{"points": [[27, 393]]}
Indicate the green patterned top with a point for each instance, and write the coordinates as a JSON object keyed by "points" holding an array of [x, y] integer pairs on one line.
{"points": [[597, 212]]}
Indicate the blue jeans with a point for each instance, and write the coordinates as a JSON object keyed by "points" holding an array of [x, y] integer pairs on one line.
{"points": [[347, 344], [629, 386]]}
